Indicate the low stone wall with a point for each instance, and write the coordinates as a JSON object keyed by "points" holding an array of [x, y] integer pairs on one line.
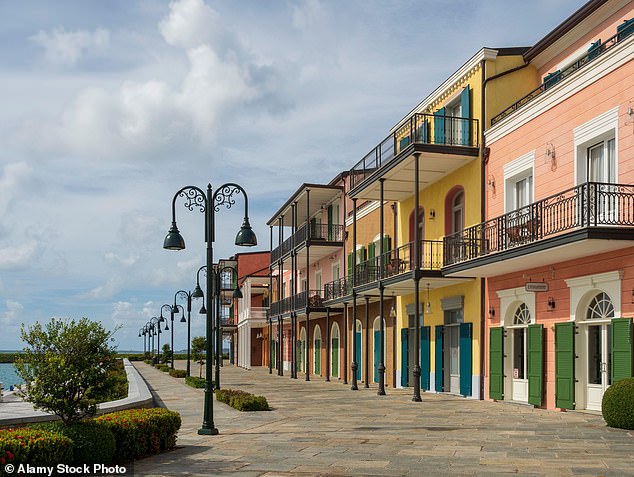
{"points": [[18, 413]]}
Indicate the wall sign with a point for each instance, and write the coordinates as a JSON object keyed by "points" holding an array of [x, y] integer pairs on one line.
{"points": [[536, 287]]}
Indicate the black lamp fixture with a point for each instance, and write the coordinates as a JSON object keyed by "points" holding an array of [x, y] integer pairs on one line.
{"points": [[174, 240], [237, 293], [491, 312], [551, 303], [245, 237], [428, 304]]}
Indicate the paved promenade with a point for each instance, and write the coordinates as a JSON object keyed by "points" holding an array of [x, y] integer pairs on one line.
{"points": [[322, 429]]}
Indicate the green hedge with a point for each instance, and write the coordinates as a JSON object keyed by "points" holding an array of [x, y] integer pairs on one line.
{"points": [[9, 357], [242, 401], [92, 443], [617, 406], [165, 368], [195, 382], [140, 432], [119, 390], [33, 446], [178, 373]]}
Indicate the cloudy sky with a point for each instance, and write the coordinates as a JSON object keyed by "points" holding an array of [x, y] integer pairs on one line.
{"points": [[108, 108]]}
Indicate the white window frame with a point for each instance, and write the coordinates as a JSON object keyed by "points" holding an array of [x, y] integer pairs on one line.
{"points": [[510, 299], [336, 266], [515, 171], [601, 128]]}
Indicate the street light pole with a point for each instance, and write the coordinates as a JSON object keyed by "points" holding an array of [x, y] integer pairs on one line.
{"points": [[155, 321], [209, 203], [188, 296], [169, 307]]}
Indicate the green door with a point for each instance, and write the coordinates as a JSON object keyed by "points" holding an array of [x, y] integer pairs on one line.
{"points": [[273, 349], [317, 356], [300, 360], [535, 364], [439, 360], [424, 358], [466, 358], [565, 365], [358, 354], [335, 357], [404, 357], [496, 363], [621, 349]]}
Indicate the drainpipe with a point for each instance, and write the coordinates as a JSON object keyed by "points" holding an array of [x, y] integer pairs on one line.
{"points": [[483, 164]]}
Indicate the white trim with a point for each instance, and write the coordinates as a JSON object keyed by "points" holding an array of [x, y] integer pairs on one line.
{"points": [[510, 299], [364, 211], [521, 168], [453, 82], [583, 289], [519, 165], [602, 66]]}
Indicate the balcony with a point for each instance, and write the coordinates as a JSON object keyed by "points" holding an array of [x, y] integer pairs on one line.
{"points": [[434, 134], [584, 220], [597, 50], [254, 313], [338, 288], [298, 302], [313, 234]]}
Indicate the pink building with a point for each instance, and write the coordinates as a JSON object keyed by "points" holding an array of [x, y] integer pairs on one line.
{"points": [[557, 248]]}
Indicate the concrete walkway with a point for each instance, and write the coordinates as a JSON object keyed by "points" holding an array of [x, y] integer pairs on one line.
{"points": [[321, 429]]}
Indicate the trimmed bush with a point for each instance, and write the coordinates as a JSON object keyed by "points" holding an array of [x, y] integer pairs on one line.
{"points": [[30, 446], [147, 361], [195, 382], [165, 368], [92, 443], [178, 373], [140, 432], [617, 406], [241, 400], [158, 365], [119, 382]]}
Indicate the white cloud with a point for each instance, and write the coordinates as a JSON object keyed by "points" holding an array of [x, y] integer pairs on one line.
{"points": [[111, 257], [67, 47], [307, 14], [13, 177], [107, 290], [13, 313], [19, 257], [189, 24]]}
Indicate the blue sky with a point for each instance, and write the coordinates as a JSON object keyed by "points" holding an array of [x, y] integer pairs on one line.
{"points": [[108, 108]]}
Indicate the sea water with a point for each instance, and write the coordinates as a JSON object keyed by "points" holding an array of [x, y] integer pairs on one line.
{"points": [[8, 376]]}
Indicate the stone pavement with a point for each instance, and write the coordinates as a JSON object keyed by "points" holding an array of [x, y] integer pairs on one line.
{"points": [[323, 429]]}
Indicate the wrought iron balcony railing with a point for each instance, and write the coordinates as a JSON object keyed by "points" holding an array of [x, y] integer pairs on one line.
{"points": [[596, 50], [591, 204], [338, 288], [419, 129], [325, 233]]}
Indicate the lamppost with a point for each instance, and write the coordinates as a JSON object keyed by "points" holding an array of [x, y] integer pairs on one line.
{"points": [[142, 332], [172, 313], [167, 328], [188, 296], [155, 323], [208, 204]]}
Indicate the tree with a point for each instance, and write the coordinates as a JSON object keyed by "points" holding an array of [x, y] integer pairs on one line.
{"points": [[167, 354], [65, 367], [199, 345]]}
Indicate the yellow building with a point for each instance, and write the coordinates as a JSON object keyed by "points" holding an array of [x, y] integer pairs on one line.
{"points": [[427, 177]]}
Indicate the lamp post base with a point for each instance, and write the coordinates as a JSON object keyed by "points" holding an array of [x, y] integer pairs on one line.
{"points": [[208, 432]]}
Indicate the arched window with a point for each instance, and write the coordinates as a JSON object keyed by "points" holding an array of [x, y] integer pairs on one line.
{"points": [[600, 307], [522, 315], [454, 210]]}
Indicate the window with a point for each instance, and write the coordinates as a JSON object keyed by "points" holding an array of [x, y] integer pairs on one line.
{"points": [[522, 315], [318, 280], [518, 182], [601, 162], [457, 212], [335, 272], [600, 308], [596, 149]]}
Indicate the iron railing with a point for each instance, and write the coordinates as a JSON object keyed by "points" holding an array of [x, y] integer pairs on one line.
{"points": [[338, 288], [421, 129], [311, 298], [593, 53], [591, 204], [314, 232]]}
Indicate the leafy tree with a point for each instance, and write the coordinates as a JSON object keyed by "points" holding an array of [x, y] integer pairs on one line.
{"points": [[65, 367], [167, 354], [199, 345]]}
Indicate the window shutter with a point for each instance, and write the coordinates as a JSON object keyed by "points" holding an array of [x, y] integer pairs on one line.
{"points": [[335, 357], [439, 126], [330, 227], [466, 358], [625, 29], [423, 132], [313, 229], [424, 358], [535, 364], [594, 50], [621, 349], [403, 143], [565, 365], [404, 357], [439, 363], [371, 250], [465, 105], [358, 356], [551, 79], [350, 264], [496, 363], [377, 356]]}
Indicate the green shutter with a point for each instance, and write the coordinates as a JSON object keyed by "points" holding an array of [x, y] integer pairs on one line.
{"points": [[621, 349], [535, 364], [565, 365], [424, 358], [625, 29], [358, 355], [465, 105], [594, 50], [330, 227], [403, 143], [552, 78], [371, 251], [377, 356], [439, 361], [317, 356], [335, 357], [404, 357], [466, 358], [439, 126], [314, 233], [350, 264], [496, 363]]}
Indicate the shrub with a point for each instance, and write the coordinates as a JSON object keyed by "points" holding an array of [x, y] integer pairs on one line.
{"points": [[195, 382], [241, 400], [147, 361], [119, 382], [92, 443], [30, 446], [165, 368], [140, 432], [178, 373], [618, 404], [158, 365]]}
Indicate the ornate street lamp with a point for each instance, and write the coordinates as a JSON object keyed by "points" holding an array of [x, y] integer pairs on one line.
{"points": [[208, 204], [155, 324], [187, 296], [167, 328]]}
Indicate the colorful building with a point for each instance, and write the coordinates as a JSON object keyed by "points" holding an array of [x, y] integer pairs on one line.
{"points": [[557, 245]]}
